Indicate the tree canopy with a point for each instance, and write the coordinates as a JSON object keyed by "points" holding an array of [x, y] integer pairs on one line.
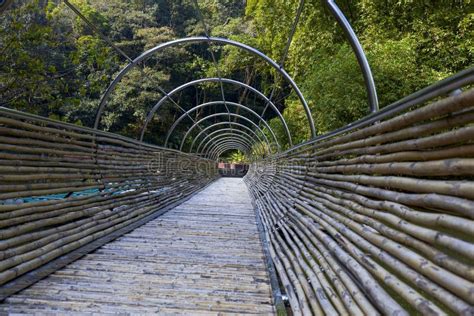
{"points": [[53, 64]]}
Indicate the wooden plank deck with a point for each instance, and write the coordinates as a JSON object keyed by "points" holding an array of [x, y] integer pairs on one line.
{"points": [[204, 257]]}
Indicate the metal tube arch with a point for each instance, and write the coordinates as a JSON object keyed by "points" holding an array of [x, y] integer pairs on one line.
{"points": [[218, 154], [225, 130], [222, 114], [243, 136], [226, 136], [227, 145], [226, 123], [233, 123], [225, 148], [182, 117], [157, 106], [359, 53], [259, 152], [439, 88], [200, 39], [224, 140], [111, 44]]}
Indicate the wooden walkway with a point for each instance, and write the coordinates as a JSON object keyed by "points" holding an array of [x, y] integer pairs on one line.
{"points": [[204, 257]]}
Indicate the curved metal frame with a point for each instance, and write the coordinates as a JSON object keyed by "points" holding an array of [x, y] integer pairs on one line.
{"points": [[243, 136], [331, 5], [358, 51], [224, 140], [439, 88], [241, 106], [157, 106], [227, 136], [227, 123], [249, 153], [227, 145], [223, 149], [226, 131], [223, 114], [200, 39], [218, 154]]}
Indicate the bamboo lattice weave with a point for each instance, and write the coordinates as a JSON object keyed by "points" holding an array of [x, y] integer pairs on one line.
{"points": [[375, 221], [200, 258], [379, 220], [63, 186]]}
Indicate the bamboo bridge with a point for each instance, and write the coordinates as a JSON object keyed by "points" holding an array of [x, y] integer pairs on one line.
{"points": [[374, 218], [377, 220]]}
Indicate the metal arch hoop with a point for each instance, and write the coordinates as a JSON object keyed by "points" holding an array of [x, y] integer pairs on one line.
{"points": [[225, 147], [359, 52], [260, 140], [226, 144], [226, 136], [222, 141], [157, 106], [250, 151], [225, 139], [215, 154], [221, 114], [225, 130], [218, 154], [199, 39], [182, 117], [227, 123], [211, 153], [243, 135]]}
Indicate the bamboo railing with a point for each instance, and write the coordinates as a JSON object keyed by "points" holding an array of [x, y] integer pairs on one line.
{"points": [[63, 187], [379, 220]]}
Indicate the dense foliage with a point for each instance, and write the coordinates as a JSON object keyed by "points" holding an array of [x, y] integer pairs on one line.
{"points": [[52, 64]]}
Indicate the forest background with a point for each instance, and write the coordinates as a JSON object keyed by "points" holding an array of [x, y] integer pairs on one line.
{"points": [[53, 65]]}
